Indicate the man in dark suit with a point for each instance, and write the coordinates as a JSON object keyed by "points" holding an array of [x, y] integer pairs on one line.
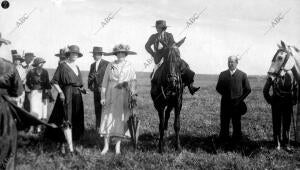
{"points": [[234, 87], [95, 78], [284, 95], [160, 41]]}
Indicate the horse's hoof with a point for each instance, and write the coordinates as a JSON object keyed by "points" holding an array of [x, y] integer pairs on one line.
{"points": [[161, 150], [178, 149]]}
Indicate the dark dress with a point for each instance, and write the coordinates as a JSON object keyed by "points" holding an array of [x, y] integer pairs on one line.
{"points": [[70, 113]]}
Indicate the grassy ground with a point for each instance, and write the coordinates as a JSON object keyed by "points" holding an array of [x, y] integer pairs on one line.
{"points": [[199, 129]]}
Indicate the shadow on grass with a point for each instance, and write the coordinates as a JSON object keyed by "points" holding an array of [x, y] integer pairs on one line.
{"points": [[210, 144], [90, 139], [149, 142]]}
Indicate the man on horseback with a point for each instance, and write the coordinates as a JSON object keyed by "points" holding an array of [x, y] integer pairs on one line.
{"points": [[161, 40]]}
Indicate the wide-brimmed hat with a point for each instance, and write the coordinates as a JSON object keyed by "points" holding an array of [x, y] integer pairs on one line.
{"points": [[121, 48], [38, 61], [97, 50], [161, 24], [74, 49], [62, 53], [29, 55], [5, 41]]}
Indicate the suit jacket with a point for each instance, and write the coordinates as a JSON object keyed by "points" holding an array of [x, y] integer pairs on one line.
{"points": [[233, 88], [95, 77], [154, 39], [284, 89]]}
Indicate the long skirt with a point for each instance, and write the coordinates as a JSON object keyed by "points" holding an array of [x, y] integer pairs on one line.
{"points": [[115, 113], [38, 106], [72, 112]]}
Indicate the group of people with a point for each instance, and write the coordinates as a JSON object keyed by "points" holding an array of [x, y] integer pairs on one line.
{"points": [[113, 83]]}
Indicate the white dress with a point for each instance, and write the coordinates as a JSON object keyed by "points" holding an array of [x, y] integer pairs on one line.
{"points": [[116, 112]]}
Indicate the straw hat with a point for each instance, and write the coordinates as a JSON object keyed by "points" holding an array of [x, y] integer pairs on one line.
{"points": [[121, 48]]}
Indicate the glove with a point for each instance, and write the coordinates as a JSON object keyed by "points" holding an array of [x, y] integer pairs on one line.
{"points": [[62, 97], [102, 102]]}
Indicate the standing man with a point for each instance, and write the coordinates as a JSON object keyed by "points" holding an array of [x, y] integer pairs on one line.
{"points": [[160, 41], [28, 66], [17, 60], [234, 87], [95, 78], [284, 96], [62, 55]]}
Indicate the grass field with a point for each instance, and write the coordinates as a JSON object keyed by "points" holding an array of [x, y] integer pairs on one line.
{"points": [[199, 129]]}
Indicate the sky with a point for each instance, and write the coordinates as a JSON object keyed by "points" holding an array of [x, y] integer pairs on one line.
{"points": [[227, 27]]}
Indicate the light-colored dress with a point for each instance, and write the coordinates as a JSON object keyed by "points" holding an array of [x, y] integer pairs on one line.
{"points": [[38, 83], [116, 112]]}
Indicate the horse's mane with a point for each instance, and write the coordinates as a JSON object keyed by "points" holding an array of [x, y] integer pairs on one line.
{"points": [[173, 55]]}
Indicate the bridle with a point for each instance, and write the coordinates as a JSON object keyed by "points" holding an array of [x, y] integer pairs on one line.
{"points": [[283, 63]]}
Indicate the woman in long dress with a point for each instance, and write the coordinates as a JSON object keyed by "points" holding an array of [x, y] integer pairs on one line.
{"points": [[68, 112], [37, 80], [117, 86]]}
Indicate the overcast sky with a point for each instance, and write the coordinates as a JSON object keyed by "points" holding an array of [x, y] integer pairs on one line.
{"points": [[227, 27]]}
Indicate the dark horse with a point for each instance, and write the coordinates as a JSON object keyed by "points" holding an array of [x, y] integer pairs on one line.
{"points": [[167, 92]]}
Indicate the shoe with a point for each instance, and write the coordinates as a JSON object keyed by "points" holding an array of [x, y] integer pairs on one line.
{"points": [[193, 89], [104, 151]]}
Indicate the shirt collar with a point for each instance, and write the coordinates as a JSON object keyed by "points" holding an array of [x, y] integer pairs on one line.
{"points": [[98, 61], [232, 72]]}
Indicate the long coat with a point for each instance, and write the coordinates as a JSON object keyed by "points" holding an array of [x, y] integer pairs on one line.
{"points": [[234, 89], [12, 117], [10, 85]]}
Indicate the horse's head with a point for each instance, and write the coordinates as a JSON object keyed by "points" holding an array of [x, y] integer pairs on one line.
{"points": [[283, 59], [172, 67]]}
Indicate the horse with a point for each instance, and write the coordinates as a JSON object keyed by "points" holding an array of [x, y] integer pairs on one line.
{"points": [[287, 60], [167, 93]]}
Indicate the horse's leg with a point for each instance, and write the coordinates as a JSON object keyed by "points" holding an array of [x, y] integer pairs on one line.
{"points": [[177, 123], [167, 116], [161, 115]]}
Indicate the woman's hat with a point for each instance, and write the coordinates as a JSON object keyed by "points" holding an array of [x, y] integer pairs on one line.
{"points": [[29, 55], [74, 49], [121, 48], [2, 40], [97, 50], [38, 61], [161, 24]]}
